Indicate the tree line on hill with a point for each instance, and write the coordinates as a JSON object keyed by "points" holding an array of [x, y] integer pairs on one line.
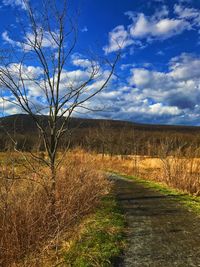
{"points": [[103, 136]]}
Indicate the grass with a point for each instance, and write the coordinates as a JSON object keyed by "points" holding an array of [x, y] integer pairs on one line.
{"points": [[30, 233], [177, 172], [190, 202], [101, 240]]}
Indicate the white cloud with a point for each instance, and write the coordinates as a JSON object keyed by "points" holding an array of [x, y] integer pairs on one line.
{"points": [[147, 96], [190, 14], [7, 39], [6, 107], [161, 12], [161, 28], [157, 109], [141, 77], [14, 3], [185, 67], [179, 87], [44, 39], [26, 71], [126, 66], [110, 94], [119, 38], [36, 88], [80, 61], [160, 109], [84, 29], [158, 26], [171, 96]]}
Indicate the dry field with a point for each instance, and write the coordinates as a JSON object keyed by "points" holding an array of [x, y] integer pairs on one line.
{"points": [[178, 172], [29, 234]]}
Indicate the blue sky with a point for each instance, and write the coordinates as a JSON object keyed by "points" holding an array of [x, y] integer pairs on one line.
{"points": [[158, 76]]}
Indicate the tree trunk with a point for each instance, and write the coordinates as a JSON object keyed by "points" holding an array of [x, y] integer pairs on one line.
{"points": [[52, 190]]}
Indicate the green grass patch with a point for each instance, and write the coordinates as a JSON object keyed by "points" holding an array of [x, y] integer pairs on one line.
{"points": [[101, 240], [190, 202]]}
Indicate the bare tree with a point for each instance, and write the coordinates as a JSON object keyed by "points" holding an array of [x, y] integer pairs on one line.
{"points": [[48, 37]]}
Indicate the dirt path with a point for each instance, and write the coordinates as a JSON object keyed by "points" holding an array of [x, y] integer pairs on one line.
{"points": [[160, 232]]}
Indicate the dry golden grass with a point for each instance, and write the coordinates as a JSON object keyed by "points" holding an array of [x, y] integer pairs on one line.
{"points": [[178, 172], [31, 236], [29, 232]]}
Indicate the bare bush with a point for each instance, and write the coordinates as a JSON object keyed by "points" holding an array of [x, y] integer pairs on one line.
{"points": [[173, 169], [181, 172], [27, 223]]}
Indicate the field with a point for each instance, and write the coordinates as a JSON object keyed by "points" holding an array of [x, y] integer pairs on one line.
{"points": [[181, 173], [31, 233], [177, 172], [29, 225]]}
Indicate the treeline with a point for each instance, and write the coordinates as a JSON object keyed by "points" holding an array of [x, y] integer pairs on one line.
{"points": [[131, 141], [103, 136]]}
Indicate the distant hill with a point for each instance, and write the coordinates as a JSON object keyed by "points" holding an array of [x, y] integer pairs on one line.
{"points": [[102, 136], [23, 123]]}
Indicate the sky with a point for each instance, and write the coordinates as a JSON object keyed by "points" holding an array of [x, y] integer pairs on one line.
{"points": [[157, 79]]}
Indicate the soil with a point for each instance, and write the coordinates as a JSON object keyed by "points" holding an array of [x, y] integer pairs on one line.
{"points": [[160, 231]]}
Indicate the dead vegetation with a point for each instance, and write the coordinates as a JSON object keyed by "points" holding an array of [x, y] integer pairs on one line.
{"points": [[175, 170], [28, 227], [31, 234]]}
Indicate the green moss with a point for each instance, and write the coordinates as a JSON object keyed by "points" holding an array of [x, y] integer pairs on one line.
{"points": [[101, 240], [189, 201]]}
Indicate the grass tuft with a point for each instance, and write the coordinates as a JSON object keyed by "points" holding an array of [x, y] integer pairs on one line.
{"points": [[101, 240]]}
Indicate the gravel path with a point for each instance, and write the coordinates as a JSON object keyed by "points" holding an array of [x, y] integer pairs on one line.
{"points": [[160, 232]]}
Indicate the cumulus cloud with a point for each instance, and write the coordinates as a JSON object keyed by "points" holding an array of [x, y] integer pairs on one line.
{"points": [[35, 87], [157, 109], [157, 97], [7, 108], [147, 96], [158, 26], [179, 87], [44, 39], [161, 28], [191, 14], [80, 61], [185, 67], [119, 38]]}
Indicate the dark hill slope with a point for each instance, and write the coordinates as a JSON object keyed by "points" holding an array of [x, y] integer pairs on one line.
{"points": [[23, 123], [104, 136]]}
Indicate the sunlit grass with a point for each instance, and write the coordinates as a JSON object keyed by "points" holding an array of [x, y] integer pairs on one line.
{"points": [[101, 240]]}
